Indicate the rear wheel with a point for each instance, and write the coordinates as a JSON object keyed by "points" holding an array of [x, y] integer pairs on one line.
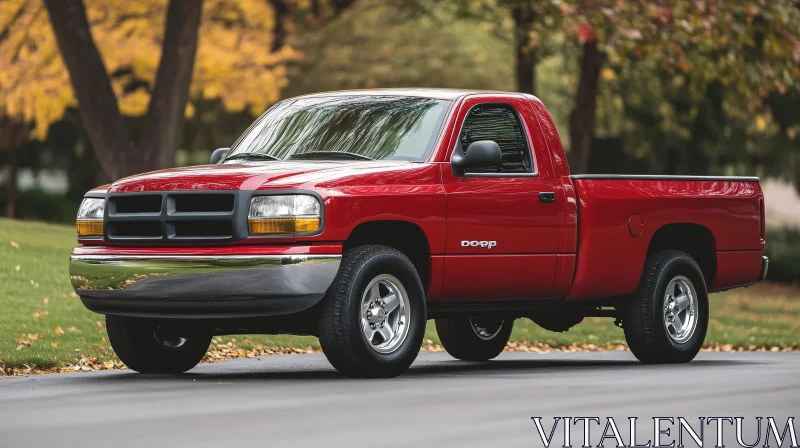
{"points": [[667, 319], [147, 347], [478, 339], [373, 316]]}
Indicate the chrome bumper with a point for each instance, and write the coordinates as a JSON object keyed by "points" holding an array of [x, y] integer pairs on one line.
{"points": [[764, 268], [200, 286]]}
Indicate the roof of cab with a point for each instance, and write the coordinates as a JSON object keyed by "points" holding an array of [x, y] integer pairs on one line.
{"points": [[439, 94]]}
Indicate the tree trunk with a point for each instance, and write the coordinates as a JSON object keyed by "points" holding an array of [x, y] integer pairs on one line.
{"points": [[582, 117], [98, 107], [98, 104], [281, 11], [163, 127], [11, 205], [526, 48]]}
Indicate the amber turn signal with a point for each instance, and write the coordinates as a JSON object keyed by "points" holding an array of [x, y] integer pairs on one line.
{"points": [[89, 227], [282, 226]]}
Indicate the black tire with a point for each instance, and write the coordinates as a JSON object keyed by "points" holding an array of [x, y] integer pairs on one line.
{"points": [[644, 320], [136, 344], [340, 324], [463, 342]]}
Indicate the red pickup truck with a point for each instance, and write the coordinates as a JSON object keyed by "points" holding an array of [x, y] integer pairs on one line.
{"points": [[357, 216]]}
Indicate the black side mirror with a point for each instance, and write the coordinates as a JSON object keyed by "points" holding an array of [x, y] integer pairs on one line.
{"points": [[218, 155], [480, 154]]}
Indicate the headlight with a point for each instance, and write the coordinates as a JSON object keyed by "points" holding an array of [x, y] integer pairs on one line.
{"points": [[90, 217], [280, 215]]}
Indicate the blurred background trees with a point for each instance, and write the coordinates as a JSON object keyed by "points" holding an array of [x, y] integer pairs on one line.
{"points": [[678, 86]]}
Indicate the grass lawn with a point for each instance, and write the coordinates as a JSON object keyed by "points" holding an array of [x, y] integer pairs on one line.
{"points": [[43, 323]]}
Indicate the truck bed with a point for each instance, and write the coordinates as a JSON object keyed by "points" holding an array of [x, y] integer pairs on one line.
{"points": [[622, 218]]}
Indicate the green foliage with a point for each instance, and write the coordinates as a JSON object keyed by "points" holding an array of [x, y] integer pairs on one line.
{"points": [[374, 44]]}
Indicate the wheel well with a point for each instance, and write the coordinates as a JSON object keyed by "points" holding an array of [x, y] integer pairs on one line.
{"points": [[694, 239], [404, 236]]}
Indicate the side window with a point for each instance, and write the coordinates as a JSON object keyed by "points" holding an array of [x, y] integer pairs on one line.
{"points": [[499, 123]]}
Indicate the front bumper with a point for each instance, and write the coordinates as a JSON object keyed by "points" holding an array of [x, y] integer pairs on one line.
{"points": [[201, 286], [764, 268]]}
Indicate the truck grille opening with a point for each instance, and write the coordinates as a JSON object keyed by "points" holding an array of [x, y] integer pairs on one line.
{"points": [[202, 229], [187, 203], [134, 229], [185, 217], [136, 204]]}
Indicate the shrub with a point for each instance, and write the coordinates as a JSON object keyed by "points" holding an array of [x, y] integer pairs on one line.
{"points": [[42, 206], [783, 250]]}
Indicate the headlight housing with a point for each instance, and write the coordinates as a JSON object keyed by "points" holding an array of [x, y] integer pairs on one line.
{"points": [[90, 217], [284, 215]]}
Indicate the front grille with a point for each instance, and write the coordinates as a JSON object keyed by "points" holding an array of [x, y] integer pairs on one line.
{"points": [[177, 217], [202, 229], [202, 202], [149, 203], [134, 229]]}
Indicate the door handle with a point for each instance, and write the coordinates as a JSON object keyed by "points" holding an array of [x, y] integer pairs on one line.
{"points": [[547, 196]]}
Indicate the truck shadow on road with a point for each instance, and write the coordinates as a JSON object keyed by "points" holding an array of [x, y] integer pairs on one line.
{"points": [[265, 371]]}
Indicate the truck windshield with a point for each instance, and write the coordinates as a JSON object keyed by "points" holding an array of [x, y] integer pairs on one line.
{"points": [[356, 127]]}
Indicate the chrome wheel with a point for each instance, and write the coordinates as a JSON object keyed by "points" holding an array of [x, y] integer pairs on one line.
{"points": [[385, 314], [680, 309], [486, 329], [169, 341]]}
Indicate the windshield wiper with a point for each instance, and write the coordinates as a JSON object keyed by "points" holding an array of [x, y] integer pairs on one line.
{"points": [[329, 154], [251, 156]]}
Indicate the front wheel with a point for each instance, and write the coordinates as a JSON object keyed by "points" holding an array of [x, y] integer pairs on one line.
{"points": [[373, 316], [474, 339], [146, 347], [667, 319]]}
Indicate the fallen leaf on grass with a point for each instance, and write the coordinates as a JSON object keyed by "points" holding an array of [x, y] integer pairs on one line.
{"points": [[16, 268], [14, 245], [73, 330], [46, 300], [39, 314], [59, 330]]}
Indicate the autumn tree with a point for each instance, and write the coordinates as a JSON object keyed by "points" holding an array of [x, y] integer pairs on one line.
{"points": [[149, 59], [751, 46], [523, 22]]}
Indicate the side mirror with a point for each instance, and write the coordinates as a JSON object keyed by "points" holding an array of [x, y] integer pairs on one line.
{"points": [[480, 154], [218, 155]]}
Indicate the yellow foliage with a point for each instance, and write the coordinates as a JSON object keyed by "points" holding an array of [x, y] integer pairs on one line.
{"points": [[608, 74], [761, 123], [234, 59]]}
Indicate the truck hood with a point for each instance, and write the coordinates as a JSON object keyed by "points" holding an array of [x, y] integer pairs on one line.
{"points": [[252, 176]]}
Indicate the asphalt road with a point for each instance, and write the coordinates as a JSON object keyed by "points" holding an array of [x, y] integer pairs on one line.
{"points": [[299, 400]]}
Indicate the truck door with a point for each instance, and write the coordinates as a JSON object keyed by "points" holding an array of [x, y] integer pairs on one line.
{"points": [[502, 222]]}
